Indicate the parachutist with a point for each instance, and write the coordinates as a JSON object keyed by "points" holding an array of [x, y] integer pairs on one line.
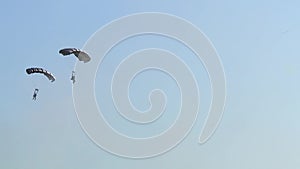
{"points": [[35, 94], [73, 77]]}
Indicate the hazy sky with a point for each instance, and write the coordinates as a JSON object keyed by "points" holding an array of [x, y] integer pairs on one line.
{"points": [[257, 41]]}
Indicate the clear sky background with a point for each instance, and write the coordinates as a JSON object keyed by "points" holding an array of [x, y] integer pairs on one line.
{"points": [[258, 42]]}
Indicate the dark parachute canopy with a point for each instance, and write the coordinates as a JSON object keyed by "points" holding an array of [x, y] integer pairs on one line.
{"points": [[42, 71], [81, 55]]}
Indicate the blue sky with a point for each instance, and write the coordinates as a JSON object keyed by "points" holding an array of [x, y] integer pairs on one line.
{"points": [[256, 40]]}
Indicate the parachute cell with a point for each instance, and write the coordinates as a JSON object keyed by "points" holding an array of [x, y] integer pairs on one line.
{"points": [[41, 71], [81, 55]]}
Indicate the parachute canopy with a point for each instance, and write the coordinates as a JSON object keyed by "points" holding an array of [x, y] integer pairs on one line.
{"points": [[81, 55], [42, 71]]}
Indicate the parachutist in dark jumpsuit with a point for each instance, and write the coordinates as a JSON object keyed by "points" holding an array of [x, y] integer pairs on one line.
{"points": [[73, 77], [35, 94]]}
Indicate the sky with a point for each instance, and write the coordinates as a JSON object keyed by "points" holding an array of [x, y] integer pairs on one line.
{"points": [[257, 42]]}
